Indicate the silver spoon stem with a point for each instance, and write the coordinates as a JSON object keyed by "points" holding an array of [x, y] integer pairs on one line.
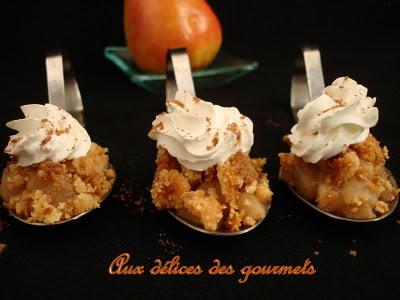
{"points": [[62, 86], [308, 79], [179, 73]]}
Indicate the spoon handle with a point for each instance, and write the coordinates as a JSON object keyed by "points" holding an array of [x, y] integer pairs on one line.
{"points": [[62, 87], [55, 79], [179, 74], [308, 79]]}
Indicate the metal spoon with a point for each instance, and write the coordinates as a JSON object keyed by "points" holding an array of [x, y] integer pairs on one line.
{"points": [[307, 85], [63, 92], [179, 77], [56, 223]]}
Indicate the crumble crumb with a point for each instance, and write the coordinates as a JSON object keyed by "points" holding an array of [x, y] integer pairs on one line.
{"points": [[353, 253], [316, 253], [169, 246], [131, 196], [3, 225], [3, 247]]}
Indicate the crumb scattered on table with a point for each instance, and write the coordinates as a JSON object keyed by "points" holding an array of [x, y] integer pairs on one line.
{"points": [[316, 253], [168, 244], [3, 224], [272, 123], [131, 196]]}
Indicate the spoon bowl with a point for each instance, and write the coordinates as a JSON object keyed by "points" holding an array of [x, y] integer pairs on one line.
{"points": [[217, 232], [392, 205], [13, 214]]}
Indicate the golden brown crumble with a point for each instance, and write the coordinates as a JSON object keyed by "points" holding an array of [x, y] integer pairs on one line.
{"points": [[166, 161], [3, 247], [353, 253], [195, 178], [353, 184], [168, 188], [203, 207], [50, 192], [229, 196]]}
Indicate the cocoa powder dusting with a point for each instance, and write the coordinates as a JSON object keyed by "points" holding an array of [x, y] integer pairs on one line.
{"points": [[214, 142], [196, 100], [328, 109], [62, 131], [15, 140], [235, 129], [158, 126], [46, 140], [179, 103]]}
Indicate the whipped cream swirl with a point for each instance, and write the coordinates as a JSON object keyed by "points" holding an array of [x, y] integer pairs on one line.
{"points": [[340, 117], [200, 134], [46, 133]]}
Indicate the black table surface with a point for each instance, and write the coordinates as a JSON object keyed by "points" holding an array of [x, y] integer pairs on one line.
{"points": [[71, 261]]}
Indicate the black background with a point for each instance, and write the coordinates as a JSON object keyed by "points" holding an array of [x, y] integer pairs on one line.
{"points": [[356, 39]]}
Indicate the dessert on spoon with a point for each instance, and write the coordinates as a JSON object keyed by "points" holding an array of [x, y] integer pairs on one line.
{"points": [[205, 176], [335, 162], [204, 170], [55, 173]]}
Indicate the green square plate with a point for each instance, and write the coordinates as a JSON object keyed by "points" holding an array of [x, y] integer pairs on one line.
{"points": [[222, 70]]}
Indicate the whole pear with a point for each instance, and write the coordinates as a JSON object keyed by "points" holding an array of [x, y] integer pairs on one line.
{"points": [[154, 26]]}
